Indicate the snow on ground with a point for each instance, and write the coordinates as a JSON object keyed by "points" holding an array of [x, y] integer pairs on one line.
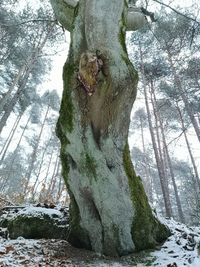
{"points": [[182, 249]]}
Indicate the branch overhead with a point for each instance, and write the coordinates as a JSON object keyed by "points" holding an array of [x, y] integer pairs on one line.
{"points": [[64, 12], [177, 12], [135, 19], [71, 3]]}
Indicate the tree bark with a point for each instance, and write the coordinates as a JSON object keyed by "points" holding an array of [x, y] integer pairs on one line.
{"points": [[109, 211]]}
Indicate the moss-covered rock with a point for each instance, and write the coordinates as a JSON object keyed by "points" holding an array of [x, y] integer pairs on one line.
{"points": [[36, 223], [35, 228]]}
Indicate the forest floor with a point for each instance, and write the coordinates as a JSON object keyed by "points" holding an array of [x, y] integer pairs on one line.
{"points": [[181, 249]]}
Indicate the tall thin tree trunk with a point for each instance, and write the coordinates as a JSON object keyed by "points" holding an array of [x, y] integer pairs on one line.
{"points": [[9, 139], [148, 185], [178, 202], [35, 186], [158, 118], [48, 167], [183, 96], [189, 148], [60, 184], [159, 137], [34, 153], [17, 147], [43, 193], [7, 96], [18, 94], [9, 107], [161, 173], [53, 177]]}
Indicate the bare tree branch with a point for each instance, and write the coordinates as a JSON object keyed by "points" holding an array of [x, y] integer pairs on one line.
{"points": [[27, 21], [177, 137], [64, 12], [135, 19], [179, 13]]}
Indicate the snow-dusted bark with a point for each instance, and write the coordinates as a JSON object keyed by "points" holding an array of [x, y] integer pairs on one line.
{"points": [[109, 210]]}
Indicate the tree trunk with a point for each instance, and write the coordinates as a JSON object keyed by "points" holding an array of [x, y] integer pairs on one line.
{"points": [[7, 96], [148, 181], [61, 184], [177, 81], [159, 164], [53, 179], [15, 151], [9, 105], [161, 152], [35, 186], [168, 159], [109, 211], [9, 139], [178, 202], [44, 191], [34, 153], [20, 139], [189, 148], [45, 180]]}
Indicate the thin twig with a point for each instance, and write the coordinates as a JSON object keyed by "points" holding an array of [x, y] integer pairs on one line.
{"points": [[27, 21], [179, 13], [179, 136]]}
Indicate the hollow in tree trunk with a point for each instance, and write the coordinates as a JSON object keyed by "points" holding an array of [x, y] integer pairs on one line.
{"points": [[109, 211]]}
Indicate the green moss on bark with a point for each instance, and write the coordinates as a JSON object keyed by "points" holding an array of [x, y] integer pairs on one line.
{"points": [[77, 235], [66, 112], [65, 121], [89, 165], [147, 231], [124, 55]]}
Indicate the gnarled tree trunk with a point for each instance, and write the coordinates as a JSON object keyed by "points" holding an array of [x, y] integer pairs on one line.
{"points": [[109, 211]]}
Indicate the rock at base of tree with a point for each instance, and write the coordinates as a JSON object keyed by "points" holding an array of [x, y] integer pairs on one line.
{"points": [[36, 223]]}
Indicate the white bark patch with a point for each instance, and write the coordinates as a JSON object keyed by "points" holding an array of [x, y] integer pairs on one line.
{"points": [[102, 25]]}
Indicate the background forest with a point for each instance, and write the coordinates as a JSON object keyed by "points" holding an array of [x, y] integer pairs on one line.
{"points": [[165, 122]]}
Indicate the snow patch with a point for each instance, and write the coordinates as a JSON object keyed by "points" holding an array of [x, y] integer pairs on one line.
{"points": [[38, 211]]}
